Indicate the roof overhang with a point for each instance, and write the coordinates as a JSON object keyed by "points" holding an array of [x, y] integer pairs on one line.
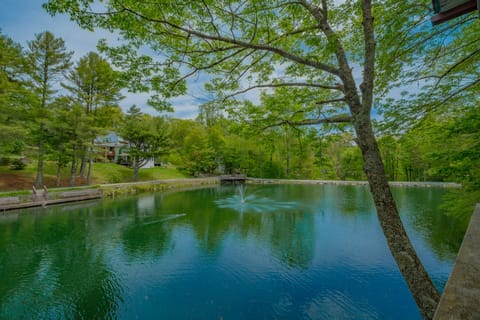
{"points": [[449, 9]]}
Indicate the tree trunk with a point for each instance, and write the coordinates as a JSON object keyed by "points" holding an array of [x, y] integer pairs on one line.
{"points": [[59, 173], [417, 278], [73, 169], [90, 162], [136, 167], [41, 151], [89, 172], [261, 164], [287, 170], [83, 164]]}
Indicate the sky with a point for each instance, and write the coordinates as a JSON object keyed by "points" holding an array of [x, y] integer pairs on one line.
{"points": [[22, 19]]}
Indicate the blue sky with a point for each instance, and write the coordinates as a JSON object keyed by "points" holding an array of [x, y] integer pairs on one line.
{"points": [[22, 19]]}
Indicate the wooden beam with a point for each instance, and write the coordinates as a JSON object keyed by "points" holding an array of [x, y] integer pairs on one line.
{"points": [[455, 12]]}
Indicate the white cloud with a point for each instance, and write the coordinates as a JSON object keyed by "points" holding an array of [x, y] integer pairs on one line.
{"points": [[186, 107]]}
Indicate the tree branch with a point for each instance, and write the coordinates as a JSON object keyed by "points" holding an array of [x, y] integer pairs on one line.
{"points": [[301, 60], [345, 72], [369, 58], [212, 65], [212, 19], [454, 93], [330, 101], [430, 36], [287, 84], [309, 122], [455, 65]]}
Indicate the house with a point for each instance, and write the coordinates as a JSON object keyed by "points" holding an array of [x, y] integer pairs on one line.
{"points": [[112, 148]]}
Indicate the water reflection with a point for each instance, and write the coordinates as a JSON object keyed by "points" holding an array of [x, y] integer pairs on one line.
{"points": [[51, 269], [146, 240], [421, 210], [297, 252]]}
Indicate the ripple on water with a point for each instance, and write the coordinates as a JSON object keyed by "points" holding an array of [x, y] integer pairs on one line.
{"points": [[333, 304]]}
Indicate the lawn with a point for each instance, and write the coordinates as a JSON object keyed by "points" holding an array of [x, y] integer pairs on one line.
{"points": [[101, 173]]}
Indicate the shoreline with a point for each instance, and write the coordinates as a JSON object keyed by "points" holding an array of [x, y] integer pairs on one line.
{"points": [[418, 184], [23, 198]]}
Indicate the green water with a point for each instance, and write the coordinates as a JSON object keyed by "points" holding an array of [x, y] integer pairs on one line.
{"points": [[286, 252]]}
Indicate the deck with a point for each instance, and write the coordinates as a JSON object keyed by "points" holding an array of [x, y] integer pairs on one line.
{"points": [[233, 179]]}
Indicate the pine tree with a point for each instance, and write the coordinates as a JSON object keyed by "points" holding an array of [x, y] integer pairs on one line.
{"points": [[47, 59]]}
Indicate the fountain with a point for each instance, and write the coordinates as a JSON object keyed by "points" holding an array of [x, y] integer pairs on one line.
{"points": [[242, 202], [241, 191]]}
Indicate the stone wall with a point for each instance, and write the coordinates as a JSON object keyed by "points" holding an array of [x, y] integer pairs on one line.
{"points": [[461, 297], [354, 183]]}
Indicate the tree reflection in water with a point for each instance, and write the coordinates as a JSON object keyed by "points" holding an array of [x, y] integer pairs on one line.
{"points": [[102, 260], [52, 268]]}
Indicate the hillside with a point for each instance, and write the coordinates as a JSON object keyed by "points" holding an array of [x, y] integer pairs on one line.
{"points": [[102, 173]]}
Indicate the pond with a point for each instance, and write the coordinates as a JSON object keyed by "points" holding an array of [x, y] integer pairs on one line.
{"points": [[266, 252]]}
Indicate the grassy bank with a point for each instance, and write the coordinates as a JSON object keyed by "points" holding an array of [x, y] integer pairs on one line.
{"points": [[102, 173]]}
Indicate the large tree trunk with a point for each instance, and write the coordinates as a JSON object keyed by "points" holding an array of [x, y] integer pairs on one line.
{"points": [[417, 278]]}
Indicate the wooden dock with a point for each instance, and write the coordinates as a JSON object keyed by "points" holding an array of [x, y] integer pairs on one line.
{"points": [[233, 179]]}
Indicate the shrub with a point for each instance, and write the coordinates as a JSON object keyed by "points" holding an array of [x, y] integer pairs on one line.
{"points": [[18, 164]]}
